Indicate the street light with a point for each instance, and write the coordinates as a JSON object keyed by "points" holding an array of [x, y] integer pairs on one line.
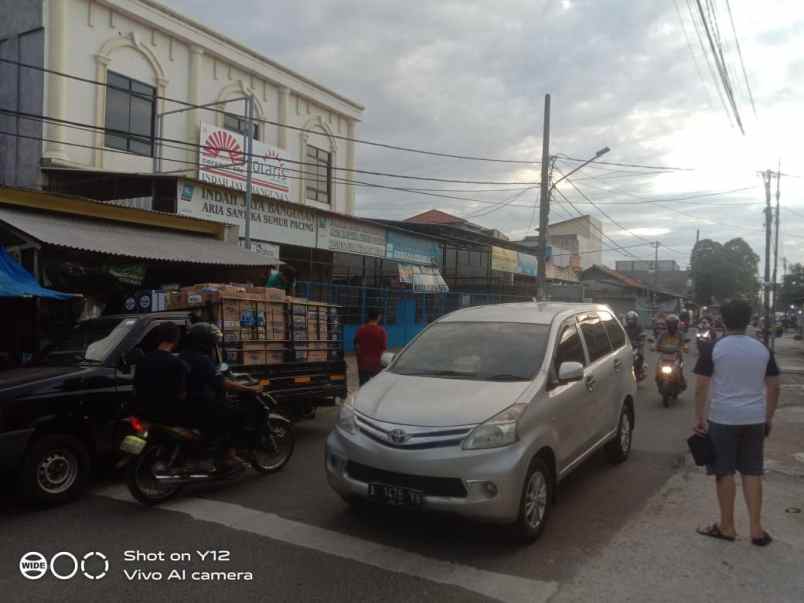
{"points": [[598, 155]]}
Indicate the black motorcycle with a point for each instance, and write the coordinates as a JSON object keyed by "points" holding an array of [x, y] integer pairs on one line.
{"points": [[166, 458]]}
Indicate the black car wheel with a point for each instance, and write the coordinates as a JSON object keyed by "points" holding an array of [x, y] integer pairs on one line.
{"points": [[536, 502], [56, 469], [618, 449]]}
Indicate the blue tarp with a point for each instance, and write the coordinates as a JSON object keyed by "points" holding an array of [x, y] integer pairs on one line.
{"points": [[15, 281]]}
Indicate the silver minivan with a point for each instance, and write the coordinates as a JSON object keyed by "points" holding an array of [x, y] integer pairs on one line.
{"points": [[486, 411]]}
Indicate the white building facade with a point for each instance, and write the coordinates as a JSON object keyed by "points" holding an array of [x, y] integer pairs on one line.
{"points": [[149, 61]]}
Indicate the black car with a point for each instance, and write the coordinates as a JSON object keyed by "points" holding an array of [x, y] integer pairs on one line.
{"points": [[61, 418]]}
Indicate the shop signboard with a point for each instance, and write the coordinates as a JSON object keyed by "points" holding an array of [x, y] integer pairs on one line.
{"points": [[269, 250], [422, 279], [351, 236], [503, 259], [407, 248], [222, 161], [271, 220], [508, 260]]}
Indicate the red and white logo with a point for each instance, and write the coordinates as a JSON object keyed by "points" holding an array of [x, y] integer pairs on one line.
{"points": [[220, 142]]}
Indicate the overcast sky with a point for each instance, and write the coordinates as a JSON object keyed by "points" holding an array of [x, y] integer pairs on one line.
{"points": [[469, 77]]}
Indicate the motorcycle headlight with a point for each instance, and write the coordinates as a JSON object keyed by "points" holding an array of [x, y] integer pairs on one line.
{"points": [[346, 416], [498, 431], [666, 370]]}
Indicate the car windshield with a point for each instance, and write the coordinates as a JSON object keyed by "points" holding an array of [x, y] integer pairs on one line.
{"points": [[90, 341], [482, 351]]}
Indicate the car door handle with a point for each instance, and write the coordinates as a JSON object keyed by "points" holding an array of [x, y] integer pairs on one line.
{"points": [[590, 382], [618, 365]]}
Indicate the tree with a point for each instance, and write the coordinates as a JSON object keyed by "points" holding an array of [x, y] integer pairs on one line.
{"points": [[722, 271], [793, 287]]}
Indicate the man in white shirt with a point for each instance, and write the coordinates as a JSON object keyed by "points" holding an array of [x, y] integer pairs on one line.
{"points": [[739, 377]]}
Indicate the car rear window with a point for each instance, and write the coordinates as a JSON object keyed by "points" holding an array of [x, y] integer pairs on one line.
{"points": [[483, 351]]}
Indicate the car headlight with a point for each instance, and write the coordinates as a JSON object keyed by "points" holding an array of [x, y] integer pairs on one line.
{"points": [[346, 416], [498, 431]]}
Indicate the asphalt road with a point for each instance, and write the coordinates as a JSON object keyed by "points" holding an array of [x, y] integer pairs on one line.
{"points": [[300, 542]]}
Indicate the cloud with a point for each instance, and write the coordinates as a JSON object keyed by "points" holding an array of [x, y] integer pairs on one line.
{"points": [[469, 76]]}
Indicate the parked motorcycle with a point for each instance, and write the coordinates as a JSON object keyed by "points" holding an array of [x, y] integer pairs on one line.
{"points": [[166, 458]]}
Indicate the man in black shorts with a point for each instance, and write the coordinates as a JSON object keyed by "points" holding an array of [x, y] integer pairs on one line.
{"points": [[741, 375]]}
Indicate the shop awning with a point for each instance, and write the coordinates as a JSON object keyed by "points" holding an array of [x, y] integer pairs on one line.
{"points": [[15, 281], [116, 238], [422, 279]]}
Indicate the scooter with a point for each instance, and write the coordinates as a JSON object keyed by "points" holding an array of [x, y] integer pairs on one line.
{"points": [[165, 459], [639, 361], [669, 371]]}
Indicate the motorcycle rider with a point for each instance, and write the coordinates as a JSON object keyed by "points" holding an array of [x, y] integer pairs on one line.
{"points": [[206, 392], [160, 382], [671, 341], [636, 336]]}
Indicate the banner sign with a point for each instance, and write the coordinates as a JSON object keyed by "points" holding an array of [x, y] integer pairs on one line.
{"points": [[271, 220], [411, 249], [422, 279], [222, 161], [344, 235], [503, 260], [508, 260], [267, 249]]}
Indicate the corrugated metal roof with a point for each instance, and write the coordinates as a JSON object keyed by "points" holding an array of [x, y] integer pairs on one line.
{"points": [[103, 236]]}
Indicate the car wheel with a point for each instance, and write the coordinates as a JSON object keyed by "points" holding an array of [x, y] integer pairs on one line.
{"points": [[55, 470], [618, 449], [536, 502]]}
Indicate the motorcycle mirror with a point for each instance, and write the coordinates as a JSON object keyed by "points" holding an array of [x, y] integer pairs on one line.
{"points": [[223, 367]]}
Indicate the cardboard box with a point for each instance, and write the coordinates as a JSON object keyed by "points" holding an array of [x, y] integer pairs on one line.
{"points": [[273, 294]]}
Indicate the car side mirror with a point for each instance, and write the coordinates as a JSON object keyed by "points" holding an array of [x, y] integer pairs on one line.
{"points": [[386, 359], [131, 358], [570, 371]]}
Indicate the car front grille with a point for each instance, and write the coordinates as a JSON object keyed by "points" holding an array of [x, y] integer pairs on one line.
{"points": [[451, 487], [411, 438]]}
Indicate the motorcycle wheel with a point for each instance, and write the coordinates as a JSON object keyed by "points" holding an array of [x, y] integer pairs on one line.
{"points": [[141, 481], [275, 444], [666, 400]]}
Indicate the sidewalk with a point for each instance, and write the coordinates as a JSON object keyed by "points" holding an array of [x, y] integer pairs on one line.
{"points": [[658, 556]]}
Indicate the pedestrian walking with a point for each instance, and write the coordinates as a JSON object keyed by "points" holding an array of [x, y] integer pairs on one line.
{"points": [[739, 378], [371, 341]]}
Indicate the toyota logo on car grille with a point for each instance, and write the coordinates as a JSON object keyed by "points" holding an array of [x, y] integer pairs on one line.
{"points": [[398, 436]]}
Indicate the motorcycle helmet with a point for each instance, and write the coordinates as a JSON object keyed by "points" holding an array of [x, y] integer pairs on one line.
{"points": [[203, 337], [632, 317], [672, 323]]}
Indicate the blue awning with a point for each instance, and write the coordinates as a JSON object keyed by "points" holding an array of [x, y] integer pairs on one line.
{"points": [[15, 281]]}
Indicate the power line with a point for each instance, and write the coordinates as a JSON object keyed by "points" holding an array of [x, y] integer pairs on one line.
{"points": [[719, 61], [740, 55], [692, 52], [662, 168], [288, 126]]}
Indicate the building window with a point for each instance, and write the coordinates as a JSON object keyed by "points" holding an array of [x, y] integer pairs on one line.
{"points": [[317, 169], [235, 123], [130, 108]]}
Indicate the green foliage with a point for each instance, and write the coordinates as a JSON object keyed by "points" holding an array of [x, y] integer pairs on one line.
{"points": [[724, 271], [793, 287]]}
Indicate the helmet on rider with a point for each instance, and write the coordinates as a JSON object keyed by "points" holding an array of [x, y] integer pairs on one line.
{"points": [[632, 317], [672, 324], [203, 337]]}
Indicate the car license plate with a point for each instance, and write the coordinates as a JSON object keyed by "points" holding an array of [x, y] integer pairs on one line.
{"points": [[395, 495], [133, 444]]}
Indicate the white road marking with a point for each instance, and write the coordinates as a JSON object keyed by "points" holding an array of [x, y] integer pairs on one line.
{"points": [[503, 587]]}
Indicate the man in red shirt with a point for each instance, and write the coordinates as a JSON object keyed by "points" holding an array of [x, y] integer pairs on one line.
{"points": [[371, 342]]}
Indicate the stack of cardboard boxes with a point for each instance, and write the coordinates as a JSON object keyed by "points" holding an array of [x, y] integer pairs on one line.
{"points": [[261, 325]]}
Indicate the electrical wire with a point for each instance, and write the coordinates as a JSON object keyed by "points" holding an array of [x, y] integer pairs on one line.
{"points": [[288, 126], [740, 55], [692, 52]]}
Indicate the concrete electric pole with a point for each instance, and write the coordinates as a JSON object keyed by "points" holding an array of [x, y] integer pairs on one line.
{"points": [[544, 203], [775, 260], [766, 177]]}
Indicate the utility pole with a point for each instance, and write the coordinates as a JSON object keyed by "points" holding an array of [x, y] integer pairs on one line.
{"points": [[544, 202], [775, 259], [768, 221], [655, 276], [249, 154]]}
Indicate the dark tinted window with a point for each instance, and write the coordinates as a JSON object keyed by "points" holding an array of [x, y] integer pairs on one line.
{"points": [[569, 348], [597, 341], [240, 124], [129, 114], [615, 331], [482, 351]]}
